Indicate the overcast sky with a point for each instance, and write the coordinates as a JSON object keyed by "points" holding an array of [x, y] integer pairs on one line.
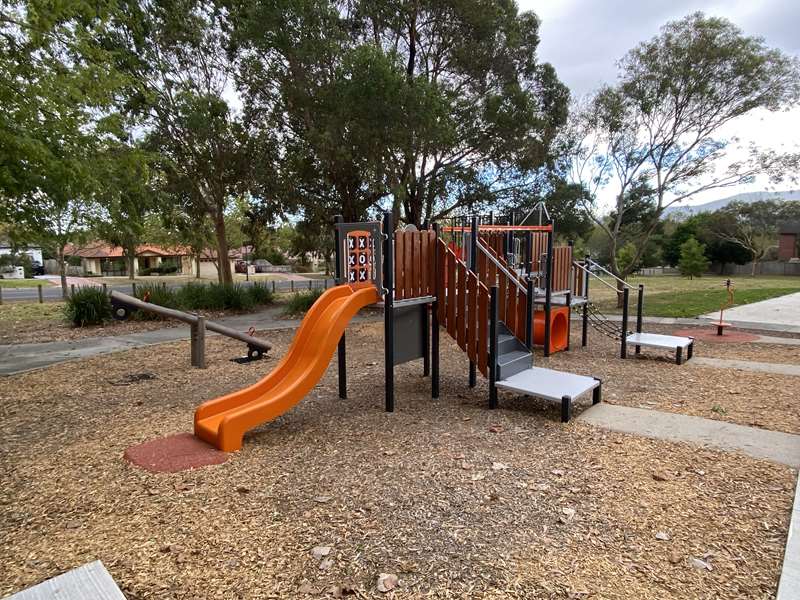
{"points": [[583, 39]]}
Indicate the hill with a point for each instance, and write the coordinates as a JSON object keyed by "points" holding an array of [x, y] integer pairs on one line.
{"points": [[747, 197]]}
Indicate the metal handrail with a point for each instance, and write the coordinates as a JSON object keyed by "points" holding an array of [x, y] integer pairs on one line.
{"points": [[497, 263], [595, 275], [607, 272]]}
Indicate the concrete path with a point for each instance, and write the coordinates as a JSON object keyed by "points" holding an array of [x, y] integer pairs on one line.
{"points": [[19, 358], [746, 365], [789, 586], [783, 310], [710, 319], [776, 446]]}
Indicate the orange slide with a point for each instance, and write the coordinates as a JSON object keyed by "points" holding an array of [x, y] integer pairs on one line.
{"points": [[224, 421]]}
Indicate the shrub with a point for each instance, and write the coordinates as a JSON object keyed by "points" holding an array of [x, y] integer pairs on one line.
{"points": [[88, 306], [261, 293], [216, 296], [157, 293], [301, 301]]}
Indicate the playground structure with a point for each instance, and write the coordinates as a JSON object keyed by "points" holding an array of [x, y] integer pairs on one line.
{"points": [[122, 305], [730, 288], [498, 289]]}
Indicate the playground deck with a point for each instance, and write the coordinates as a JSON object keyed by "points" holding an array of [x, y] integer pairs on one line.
{"points": [[447, 495]]}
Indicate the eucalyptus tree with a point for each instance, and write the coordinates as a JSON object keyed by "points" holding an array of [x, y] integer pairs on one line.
{"points": [[57, 87], [428, 105], [182, 98], [661, 125]]}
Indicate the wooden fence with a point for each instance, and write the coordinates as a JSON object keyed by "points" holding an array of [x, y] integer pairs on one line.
{"points": [[463, 306], [414, 275]]}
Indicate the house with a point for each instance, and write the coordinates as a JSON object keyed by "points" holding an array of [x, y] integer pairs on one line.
{"points": [[789, 241], [100, 258], [208, 260], [34, 252]]}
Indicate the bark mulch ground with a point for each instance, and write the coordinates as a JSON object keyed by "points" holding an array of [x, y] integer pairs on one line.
{"points": [[57, 330], [654, 380], [455, 500]]}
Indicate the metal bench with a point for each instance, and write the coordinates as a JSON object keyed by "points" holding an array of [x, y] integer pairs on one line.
{"points": [[553, 385], [656, 340]]}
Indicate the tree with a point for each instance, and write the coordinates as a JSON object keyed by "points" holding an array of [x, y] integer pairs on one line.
{"points": [[181, 75], [429, 105], [56, 87], [127, 199], [659, 126], [753, 227], [693, 261]]}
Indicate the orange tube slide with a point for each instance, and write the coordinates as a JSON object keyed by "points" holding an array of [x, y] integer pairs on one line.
{"points": [[559, 328], [224, 421]]}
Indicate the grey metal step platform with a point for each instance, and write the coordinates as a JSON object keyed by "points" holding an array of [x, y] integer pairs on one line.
{"points": [[89, 582], [657, 340], [553, 385]]}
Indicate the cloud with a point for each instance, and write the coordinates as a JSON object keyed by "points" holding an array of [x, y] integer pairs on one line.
{"points": [[584, 39]]}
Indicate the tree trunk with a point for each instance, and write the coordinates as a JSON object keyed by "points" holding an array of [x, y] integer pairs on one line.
{"points": [[755, 264], [223, 263], [131, 256], [62, 270], [197, 265]]}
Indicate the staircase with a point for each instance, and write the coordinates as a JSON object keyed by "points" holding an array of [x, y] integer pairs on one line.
{"points": [[512, 355], [464, 304]]}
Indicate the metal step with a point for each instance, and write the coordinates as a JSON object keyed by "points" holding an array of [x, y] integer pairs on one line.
{"points": [[512, 363], [507, 343]]}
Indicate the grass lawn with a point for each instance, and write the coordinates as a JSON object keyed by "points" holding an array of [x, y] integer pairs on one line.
{"points": [[23, 283], [29, 311], [675, 296]]}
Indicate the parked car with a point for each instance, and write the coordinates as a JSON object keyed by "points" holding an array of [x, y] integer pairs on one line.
{"points": [[240, 266], [37, 268]]}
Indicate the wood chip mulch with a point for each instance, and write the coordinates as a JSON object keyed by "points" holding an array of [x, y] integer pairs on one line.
{"points": [[440, 499], [654, 381]]}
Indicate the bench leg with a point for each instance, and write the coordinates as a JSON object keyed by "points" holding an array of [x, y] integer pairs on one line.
{"points": [[678, 356], [690, 350], [597, 394], [566, 409]]}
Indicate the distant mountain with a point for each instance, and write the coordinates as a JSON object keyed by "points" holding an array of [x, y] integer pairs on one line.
{"points": [[747, 197]]}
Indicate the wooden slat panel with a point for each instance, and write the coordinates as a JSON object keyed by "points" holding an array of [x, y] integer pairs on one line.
{"points": [[408, 257], [424, 261], [461, 308], [472, 317], [483, 275], [451, 294], [521, 315], [398, 265], [416, 266], [441, 267], [511, 308], [483, 331], [501, 296]]}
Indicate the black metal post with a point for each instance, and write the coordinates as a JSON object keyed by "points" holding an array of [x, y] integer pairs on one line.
{"points": [[342, 347], [473, 266], [426, 340], [639, 302], [566, 409], [585, 324], [493, 346], [623, 352], [548, 306], [435, 318], [388, 307], [528, 251]]}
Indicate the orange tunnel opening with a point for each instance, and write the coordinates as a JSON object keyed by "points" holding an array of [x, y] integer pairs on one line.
{"points": [[559, 328]]}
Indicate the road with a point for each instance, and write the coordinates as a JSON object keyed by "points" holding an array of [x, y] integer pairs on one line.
{"points": [[53, 292]]}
